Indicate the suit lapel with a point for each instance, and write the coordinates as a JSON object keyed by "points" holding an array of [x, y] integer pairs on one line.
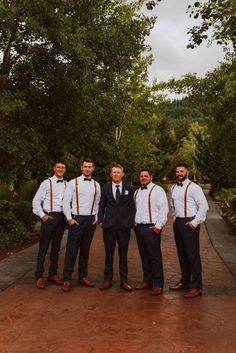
{"points": [[111, 192]]}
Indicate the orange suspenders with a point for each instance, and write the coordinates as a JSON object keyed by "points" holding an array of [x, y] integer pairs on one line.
{"points": [[77, 196], [94, 197], [185, 200], [185, 197], [149, 202], [51, 195]]}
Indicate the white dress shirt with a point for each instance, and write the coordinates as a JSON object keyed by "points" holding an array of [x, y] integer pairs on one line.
{"points": [[159, 206], [197, 206], [86, 192], [114, 188], [42, 198]]}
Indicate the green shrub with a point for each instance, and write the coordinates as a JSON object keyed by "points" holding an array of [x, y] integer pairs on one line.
{"points": [[233, 203], [226, 199], [5, 192], [28, 190], [5, 207], [226, 196], [13, 234], [22, 211], [12, 230]]}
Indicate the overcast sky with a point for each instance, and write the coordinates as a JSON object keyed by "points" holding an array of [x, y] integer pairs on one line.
{"points": [[169, 40]]}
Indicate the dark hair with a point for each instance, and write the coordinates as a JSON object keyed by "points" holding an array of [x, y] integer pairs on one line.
{"points": [[181, 165], [88, 160], [59, 161], [116, 165], [146, 170]]}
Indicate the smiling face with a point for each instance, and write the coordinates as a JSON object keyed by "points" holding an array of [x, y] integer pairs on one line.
{"points": [[59, 170], [116, 174], [181, 173], [87, 169], [145, 178]]}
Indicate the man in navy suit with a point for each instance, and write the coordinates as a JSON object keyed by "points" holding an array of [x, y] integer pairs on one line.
{"points": [[116, 216]]}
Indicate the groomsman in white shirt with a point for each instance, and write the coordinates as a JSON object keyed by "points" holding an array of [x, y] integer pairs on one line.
{"points": [[189, 207], [47, 204], [151, 215], [80, 207]]}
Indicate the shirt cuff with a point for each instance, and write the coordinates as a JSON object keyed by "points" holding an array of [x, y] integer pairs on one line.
{"points": [[158, 225], [194, 223], [67, 215], [41, 214]]}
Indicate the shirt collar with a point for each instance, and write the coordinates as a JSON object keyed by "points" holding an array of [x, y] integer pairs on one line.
{"points": [[83, 176], [186, 181], [54, 178], [114, 184], [150, 185]]}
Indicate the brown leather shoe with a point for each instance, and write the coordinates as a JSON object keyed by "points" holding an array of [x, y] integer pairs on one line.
{"points": [[40, 283], [55, 279], [86, 282], [126, 286], [156, 291], [66, 286], [179, 286], [193, 293], [143, 285], [106, 285]]}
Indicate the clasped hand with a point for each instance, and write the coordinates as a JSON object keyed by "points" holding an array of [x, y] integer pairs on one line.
{"points": [[155, 229]]}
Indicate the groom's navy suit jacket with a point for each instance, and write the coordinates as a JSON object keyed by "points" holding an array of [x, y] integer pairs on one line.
{"points": [[113, 215]]}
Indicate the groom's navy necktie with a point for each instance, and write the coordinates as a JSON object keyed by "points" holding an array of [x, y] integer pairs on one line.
{"points": [[117, 194]]}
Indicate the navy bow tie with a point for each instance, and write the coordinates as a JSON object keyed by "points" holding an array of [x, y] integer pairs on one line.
{"points": [[87, 179], [179, 184], [60, 181], [143, 187]]}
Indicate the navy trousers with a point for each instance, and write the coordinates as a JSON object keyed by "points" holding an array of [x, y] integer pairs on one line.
{"points": [[149, 245], [187, 244], [79, 240], [110, 237], [51, 232]]}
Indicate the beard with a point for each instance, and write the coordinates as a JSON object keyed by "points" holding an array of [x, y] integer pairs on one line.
{"points": [[181, 178]]}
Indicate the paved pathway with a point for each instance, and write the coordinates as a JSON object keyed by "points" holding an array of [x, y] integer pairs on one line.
{"points": [[87, 320]]}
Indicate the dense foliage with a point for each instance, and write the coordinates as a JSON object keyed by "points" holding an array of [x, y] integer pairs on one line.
{"points": [[74, 83], [217, 15], [71, 76], [16, 218]]}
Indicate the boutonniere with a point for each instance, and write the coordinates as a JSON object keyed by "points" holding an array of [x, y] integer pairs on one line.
{"points": [[126, 192]]}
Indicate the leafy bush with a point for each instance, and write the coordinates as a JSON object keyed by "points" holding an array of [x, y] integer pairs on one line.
{"points": [[12, 233], [5, 192], [4, 207], [28, 190], [23, 212], [12, 230], [226, 199], [226, 196], [233, 203]]}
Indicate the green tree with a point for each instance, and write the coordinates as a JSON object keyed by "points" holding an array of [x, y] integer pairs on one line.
{"points": [[188, 148], [63, 79], [215, 96], [217, 15]]}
